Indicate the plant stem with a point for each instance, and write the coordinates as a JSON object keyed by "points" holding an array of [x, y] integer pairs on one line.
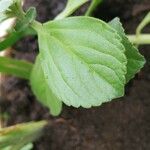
{"points": [[144, 22], [18, 68], [36, 25], [92, 7], [14, 37], [141, 39], [71, 6]]}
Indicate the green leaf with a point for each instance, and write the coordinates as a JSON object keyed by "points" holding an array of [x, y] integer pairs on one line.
{"points": [[26, 147], [29, 146], [5, 4], [27, 20], [42, 91], [22, 29], [14, 67], [135, 61], [19, 135], [5, 8], [71, 6], [83, 60]]}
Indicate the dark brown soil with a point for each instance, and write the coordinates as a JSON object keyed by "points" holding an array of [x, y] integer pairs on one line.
{"points": [[123, 124]]}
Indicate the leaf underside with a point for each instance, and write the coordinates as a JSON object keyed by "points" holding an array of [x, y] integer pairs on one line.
{"points": [[19, 135], [42, 91], [83, 61]]}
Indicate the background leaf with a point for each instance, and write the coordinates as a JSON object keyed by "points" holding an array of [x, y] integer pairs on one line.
{"points": [[18, 68], [135, 61], [19, 135], [6, 8], [4, 5], [21, 29], [42, 91], [83, 60], [26, 147]]}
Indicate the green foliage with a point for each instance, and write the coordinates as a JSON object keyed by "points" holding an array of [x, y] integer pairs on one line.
{"points": [[71, 6], [41, 89], [82, 61], [140, 38], [21, 29], [144, 23], [17, 137], [135, 60], [9, 8], [18, 68], [14, 36], [84, 65], [25, 147], [4, 6]]}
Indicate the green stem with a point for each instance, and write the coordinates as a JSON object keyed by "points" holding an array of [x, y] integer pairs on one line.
{"points": [[14, 37], [36, 25], [18, 68], [92, 7], [72, 6], [141, 39], [144, 22]]}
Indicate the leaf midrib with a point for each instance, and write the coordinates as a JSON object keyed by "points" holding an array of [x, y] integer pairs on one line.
{"points": [[107, 53], [83, 61]]}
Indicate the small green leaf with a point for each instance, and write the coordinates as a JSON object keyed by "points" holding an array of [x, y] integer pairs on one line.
{"points": [[21, 29], [5, 4], [28, 19], [14, 67], [135, 61], [19, 135], [71, 6], [26, 147], [5, 9], [83, 60], [42, 91]]}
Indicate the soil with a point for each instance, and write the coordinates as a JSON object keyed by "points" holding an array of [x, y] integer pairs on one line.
{"points": [[122, 124]]}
